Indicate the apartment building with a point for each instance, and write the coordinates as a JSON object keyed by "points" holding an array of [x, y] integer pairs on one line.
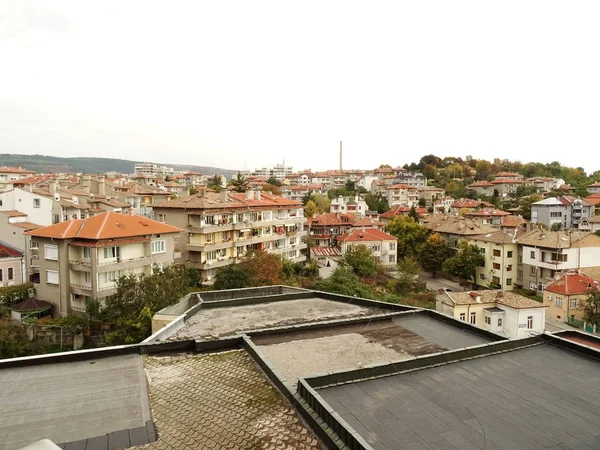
{"points": [[488, 216], [351, 205], [566, 296], [279, 171], [413, 179], [501, 251], [545, 184], [594, 188], [13, 225], [455, 229], [544, 254], [326, 227], [220, 228], [443, 205], [482, 188], [567, 211], [12, 266], [8, 175], [152, 170], [72, 261], [505, 313], [383, 246], [299, 192], [507, 186], [430, 194], [402, 195]]}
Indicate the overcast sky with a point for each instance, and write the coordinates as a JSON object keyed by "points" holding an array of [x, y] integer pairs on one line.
{"points": [[253, 83]]}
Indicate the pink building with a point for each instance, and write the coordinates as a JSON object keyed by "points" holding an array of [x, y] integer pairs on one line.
{"points": [[11, 265]]}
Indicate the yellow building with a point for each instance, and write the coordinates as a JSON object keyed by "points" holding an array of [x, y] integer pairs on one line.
{"points": [[565, 297]]}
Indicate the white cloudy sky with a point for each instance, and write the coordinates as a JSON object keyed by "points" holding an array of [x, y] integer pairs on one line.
{"points": [[251, 83]]}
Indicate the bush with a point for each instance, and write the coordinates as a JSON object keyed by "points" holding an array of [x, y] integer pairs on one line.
{"points": [[361, 260], [231, 277], [343, 281], [9, 295]]}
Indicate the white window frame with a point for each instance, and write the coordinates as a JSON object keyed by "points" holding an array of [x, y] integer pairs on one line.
{"points": [[48, 249], [53, 273], [573, 303], [113, 254], [462, 316], [473, 318], [530, 322], [37, 203], [558, 301], [34, 245], [85, 250], [158, 247]]}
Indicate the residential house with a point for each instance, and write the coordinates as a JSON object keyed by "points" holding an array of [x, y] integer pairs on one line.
{"points": [[82, 259], [566, 296], [8, 175], [413, 179], [512, 222], [12, 265], [220, 228], [590, 224], [544, 254], [383, 246], [507, 186], [443, 205], [463, 205], [482, 188], [369, 222], [500, 250], [351, 205], [387, 216], [509, 175], [488, 216], [594, 199], [326, 256], [402, 195], [325, 228], [505, 313], [299, 192], [455, 229], [545, 184], [430, 194], [13, 225], [592, 188], [566, 211]]}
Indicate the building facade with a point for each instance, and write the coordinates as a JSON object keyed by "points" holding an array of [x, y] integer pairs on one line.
{"points": [[566, 296], [383, 246], [565, 211]]}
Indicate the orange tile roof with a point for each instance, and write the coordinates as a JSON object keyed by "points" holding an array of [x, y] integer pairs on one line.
{"points": [[487, 212], [26, 225], [368, 234], [329, 219], [6, 169], [402, 186], [367, 222], [480, 184], [109, 225], [403, 210], [506, 181], [572, 283], [14, 213]]}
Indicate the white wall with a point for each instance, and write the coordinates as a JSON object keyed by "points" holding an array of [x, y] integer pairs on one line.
{"points": [[22, 201], [515, 321]]}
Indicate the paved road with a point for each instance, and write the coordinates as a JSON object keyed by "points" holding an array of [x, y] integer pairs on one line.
{"points": [[439, 283]]}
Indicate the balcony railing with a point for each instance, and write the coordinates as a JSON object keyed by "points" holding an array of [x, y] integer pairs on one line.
{"points": [[81, 287]]}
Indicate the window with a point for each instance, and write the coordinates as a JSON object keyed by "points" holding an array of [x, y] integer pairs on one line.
{"points": [[509, 281], [532, 254], [34, 245], [488, 320], [519, 273], [392, 246], [36, 202], [111, 277], [482, 276], [509, 254], [473, 318], [496, 266], [239, 217], [462, 316], [509, 268], [11, 273], [558, 301], [532, 285], [158, 247], [392, 258], [1, 275], [573, 303], [85, 252], [111, 252], [497, 252], [55, 219], [51, 276], [87, 277], [162, 218], [482, 250], [499, 322], [496, 280], [529, 322], [532, 270], [51, 252], [266, 215], [556, 214]]}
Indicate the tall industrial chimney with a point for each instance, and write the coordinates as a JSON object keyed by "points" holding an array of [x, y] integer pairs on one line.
{"points": [[341, 157]]}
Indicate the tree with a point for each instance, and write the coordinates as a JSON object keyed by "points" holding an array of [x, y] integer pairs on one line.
{"points": [[310, 210], [483, 169], [264, 269], [350, 186], [344, 281], [433, 252], [385, 166], [322, 202], [361, 260], [274, 181], [591, 307], [557, 226], [429, 171], [408, 269], [271, 188], [413, 213], [138, 298], [377, 203], [464, 264], [422, 202], [239, 183], [525, 204], [409, 233], [193, 191], [233, 276], [215, 183]]}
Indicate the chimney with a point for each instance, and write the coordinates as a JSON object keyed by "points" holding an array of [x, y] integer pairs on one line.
{"points": [[102, 185], [223, 195], [52, 186], [202, 192], [475, 296], [341, 157], [257, 195], [85, 183], [249, 194]]}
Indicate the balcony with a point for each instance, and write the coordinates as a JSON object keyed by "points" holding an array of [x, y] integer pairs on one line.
{"points": [[81, 289], [120, 264], [209, 246], [196, 228], [214, 263]]}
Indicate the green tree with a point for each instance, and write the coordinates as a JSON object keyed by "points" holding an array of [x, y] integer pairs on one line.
{"points": [[322, 202], [409, 266], [556, 226], [525, 205], [429, 171], [193, 191], [361, 260], [455, 189], [483, 169], [233, 276], [344, 281], [215, 183], [433, 252], [310, 209], [413, 213], [377, 203], [464, 264], [274, 181], [14, 342], [350, 187], [240, 183], [591, 308], [422, 202], [409, 233]]}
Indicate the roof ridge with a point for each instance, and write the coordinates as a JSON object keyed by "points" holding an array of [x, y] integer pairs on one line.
{"points": [[102, 225]]}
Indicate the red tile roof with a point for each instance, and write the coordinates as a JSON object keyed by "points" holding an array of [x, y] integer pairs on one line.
{"points": [[367, 222], [8, 251], [506, 181], [402, 186], [368, 234], [330, 219], [402, 211], [6, 169], [326, 251], [513, 221], [468, 203], [572, 283], [594, 199], [480, 184], [109, 225], [487, 212]]}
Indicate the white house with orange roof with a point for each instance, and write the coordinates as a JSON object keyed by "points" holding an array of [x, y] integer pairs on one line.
{"points": [[566, 296], [383, 246], [82, 259], [594, 188], [8, 175]]}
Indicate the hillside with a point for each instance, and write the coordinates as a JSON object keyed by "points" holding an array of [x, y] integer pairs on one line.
{"points": [[53, 164]]}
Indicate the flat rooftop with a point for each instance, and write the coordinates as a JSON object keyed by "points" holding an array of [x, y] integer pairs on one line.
{"points": [[306, 353], [539, 397], [229, 320], [72, 401], [220, 401]]}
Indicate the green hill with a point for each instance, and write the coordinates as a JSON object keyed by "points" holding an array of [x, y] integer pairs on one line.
{"points": [[54, 164]]}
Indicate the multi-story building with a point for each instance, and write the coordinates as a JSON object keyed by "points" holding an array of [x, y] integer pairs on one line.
{"points": [[544, 254], [507, 186], [300, 192], [464, 205], [455, 229], [590, 224], [482, 188], [388, 216], [505, 313], [279, 171], [402, 195], [352, 205], [413, 179], [13, 225], [500, 250], [545, 184], [152, 170], [566, 296], [72, 261], [12, 266], [488, 216], [325, 228], [594, 188], [383, 246], [221, 228], [8, 175], [430, 194], [567, 211], [443, 205]]}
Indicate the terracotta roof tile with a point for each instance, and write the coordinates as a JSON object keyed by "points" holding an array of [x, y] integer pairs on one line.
{"points": [[572, 283], [368, 234], [7, 250]]}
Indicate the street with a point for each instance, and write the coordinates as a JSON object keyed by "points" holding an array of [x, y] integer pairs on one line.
{"points": [[439, 283]]}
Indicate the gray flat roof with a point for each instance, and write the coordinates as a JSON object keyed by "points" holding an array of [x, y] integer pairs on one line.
{"points": [[538, 397], [67, 402], [307, 353], [230, 320]]}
